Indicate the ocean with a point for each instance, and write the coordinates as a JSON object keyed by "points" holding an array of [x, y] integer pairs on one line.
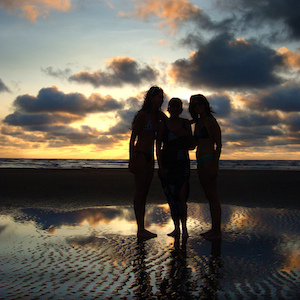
{"points": [[123, 164]]}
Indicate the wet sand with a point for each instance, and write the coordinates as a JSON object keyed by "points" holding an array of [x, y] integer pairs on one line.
{"points": [[93, 253], [71, 234], [93, 187]]}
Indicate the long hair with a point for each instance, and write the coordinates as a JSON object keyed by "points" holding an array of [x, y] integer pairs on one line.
{"points": [[202, 100], [153, 91], [147, 105]]}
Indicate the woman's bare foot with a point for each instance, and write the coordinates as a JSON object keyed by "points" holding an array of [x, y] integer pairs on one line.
{"points": [[211, 235], [144, 233], [175, 232], [206, 233]]}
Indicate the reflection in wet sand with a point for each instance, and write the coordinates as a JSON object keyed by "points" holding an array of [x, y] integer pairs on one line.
{"points": [[94, 253]]}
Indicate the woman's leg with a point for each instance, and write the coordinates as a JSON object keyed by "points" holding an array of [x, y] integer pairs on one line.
{"points": [[183, 201], [209, 185], [175, 219], [143, 178]]}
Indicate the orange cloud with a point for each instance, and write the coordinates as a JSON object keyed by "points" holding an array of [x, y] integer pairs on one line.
{"points": [[290, 57], [172, 11], [32, 9]]}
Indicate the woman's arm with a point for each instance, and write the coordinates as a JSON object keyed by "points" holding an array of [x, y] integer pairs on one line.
{"points": [[136, 129], [159, 144], [217, 138]]}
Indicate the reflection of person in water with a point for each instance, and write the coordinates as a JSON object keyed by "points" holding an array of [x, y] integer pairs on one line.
{"points": [[174, 163], [208, 141], [142, 281], [211, 278], [177, 282], [141, 151]]}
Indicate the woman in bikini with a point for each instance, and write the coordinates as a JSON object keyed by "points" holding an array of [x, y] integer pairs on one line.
{"points": [[208, 142], [141, 152], [174, 163]]}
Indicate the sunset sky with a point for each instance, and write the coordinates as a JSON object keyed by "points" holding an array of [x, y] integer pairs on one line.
{"points": [[73, 72]]}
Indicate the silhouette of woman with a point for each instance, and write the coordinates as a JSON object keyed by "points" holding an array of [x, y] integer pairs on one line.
{"points": [[141, 152], [208, 142], [174, 163]]}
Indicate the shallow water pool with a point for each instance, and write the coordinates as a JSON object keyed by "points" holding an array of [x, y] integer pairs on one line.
{"points": [[94, 253]]}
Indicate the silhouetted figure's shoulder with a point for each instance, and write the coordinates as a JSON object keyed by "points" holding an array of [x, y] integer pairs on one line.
{"points": [[162, 116]]}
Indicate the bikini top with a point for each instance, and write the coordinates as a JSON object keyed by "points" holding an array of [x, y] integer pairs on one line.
{"points": [[202, 133], [149, 127]]}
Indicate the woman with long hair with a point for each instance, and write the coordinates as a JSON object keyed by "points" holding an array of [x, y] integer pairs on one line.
{"points": [[208, 142], [141, 152]]}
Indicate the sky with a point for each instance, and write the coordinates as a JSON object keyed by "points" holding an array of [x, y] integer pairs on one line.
{"points": [[73, 73]]}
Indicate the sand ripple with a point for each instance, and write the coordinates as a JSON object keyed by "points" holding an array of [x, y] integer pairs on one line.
{"points": [[258, 257]]}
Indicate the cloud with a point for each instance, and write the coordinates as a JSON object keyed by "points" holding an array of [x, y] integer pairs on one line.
{"points": [[53, 100], [61, 74], [221, 104], [119, 71], [255, 120], [290, 57], [282, 18], [3, 87], [227, 63], [171, 11], [293, 123], [283, 98], [32, 9], [17, 119], [49, 117], [60, 135], [125, 116], [174, 13]]}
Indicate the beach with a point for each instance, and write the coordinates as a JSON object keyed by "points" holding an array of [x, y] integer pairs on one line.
{"points": [[66, 188], [71, 234]]}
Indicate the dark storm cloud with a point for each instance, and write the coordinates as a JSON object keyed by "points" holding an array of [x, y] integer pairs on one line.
{"points": [[282, 17], [120, 71], [284, 98], [227, 63], [53, 100], [3, 87]]}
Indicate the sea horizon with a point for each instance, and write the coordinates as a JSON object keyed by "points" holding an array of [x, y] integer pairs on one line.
{"points": [[50, 163]]}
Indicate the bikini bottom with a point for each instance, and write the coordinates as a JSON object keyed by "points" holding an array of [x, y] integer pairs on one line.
{"points": [[203, 159]]}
